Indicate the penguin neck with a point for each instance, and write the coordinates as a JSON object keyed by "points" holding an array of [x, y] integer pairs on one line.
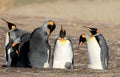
{"points": [[13, 29], [96, 34], [43, 33], [87, 36]]}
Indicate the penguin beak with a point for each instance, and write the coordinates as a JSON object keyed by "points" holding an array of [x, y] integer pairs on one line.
{"points": [[6, 22], [9, 24], [80, 43], [14, 44], [89, 28]]}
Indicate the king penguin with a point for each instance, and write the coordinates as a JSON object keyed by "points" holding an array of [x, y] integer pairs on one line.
{"points": [[11, 43], [63, 52], [23, 51], [97, 49], [39, 54]]}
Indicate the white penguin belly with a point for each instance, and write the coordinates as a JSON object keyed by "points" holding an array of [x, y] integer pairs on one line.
{"points": [[46, 65], [8, 63], [94, 54], [62, 54], [9, 57], [6, 39]]}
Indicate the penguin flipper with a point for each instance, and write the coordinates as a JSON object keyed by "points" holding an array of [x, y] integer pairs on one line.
{"points": [[104, 50], [72, 49]]}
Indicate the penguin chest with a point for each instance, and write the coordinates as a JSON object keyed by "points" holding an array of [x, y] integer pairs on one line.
{"points": [[7, 39], [94, 51], [63, 53]]}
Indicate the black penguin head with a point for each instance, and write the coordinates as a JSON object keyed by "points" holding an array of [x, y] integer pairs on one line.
{"points": [[62, 33], [93, 31], [51, 26], [82, 39], [10, 25]]}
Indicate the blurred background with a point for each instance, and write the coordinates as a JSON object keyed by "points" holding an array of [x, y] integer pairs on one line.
{"points": [[86, 10]]}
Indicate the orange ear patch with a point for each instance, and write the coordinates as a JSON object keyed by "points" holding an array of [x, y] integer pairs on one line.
{"points": [[50, 23], [13, 27], [83, 36], [80, 43]]}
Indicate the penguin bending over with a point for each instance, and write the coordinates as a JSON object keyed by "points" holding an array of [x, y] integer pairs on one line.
{"points": [[98, 53], [23, 51], [63, 52], [39, 54], [11, 43]]}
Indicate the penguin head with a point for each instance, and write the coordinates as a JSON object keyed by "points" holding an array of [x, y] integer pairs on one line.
{"points": [[11, 26], [93, 31], [82, 39], [51, 26], [62, 33]]}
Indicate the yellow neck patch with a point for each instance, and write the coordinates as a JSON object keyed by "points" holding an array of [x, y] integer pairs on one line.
{"points": [[62, 40]]}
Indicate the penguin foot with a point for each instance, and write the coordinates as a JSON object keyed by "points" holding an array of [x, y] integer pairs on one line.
{"points": [[4, 66], [92, 66], [68, 65]]}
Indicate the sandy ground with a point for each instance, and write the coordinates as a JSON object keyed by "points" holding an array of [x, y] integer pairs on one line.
{"points": [[73, 15]]}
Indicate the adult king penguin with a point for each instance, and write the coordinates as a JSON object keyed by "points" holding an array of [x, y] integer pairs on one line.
{"points": [[39, 54], [11, 43], [97, 49], [63, 51]]}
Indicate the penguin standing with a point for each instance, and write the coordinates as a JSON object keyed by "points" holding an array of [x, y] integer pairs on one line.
{"points": [[63, 51], [11, 43], [97, 49], [39, 54]]}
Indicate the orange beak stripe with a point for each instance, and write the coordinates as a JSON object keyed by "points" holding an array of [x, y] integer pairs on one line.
{"points": [[97, 31], [17, 52], [80, 43]]}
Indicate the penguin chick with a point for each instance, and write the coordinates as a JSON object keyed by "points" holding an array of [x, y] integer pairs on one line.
{"points": [[39, 54], [63, 51]]}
